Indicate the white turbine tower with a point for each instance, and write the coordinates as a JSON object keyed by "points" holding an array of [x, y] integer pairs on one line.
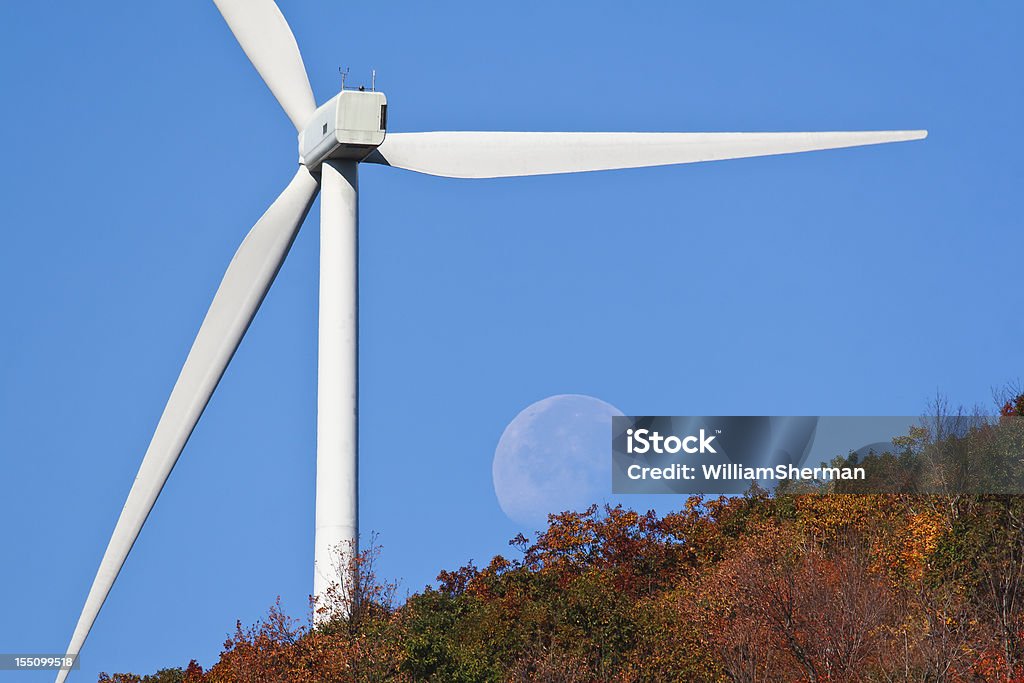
{"points": [[333, 139]]}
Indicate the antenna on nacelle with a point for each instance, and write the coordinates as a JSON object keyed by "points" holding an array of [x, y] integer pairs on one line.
{"points": [[344, 75], [373, 80]]}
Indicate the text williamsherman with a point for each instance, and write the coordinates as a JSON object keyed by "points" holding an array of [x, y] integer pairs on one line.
{"points": [[734, 472]]}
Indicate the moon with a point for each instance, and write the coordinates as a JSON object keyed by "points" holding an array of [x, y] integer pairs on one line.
{"points": [[554, 456]]}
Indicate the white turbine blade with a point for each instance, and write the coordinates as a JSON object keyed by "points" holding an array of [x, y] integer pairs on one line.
{"points": [[472, 154], [248, 277], [269, 44]]}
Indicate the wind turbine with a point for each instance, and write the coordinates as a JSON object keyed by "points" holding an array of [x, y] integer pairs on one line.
{"points": [[349, 129]]}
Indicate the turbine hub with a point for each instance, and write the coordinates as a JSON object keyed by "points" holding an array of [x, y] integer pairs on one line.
{"points": [[350, 125]]}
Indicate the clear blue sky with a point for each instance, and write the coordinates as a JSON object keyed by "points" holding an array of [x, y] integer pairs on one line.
{"points": [[138, 147]]}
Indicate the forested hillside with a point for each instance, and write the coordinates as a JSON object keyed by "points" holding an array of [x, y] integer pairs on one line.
{"points": [[788, 587]]}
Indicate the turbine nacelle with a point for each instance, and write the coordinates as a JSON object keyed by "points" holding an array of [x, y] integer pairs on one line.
{"points": [[350, 125]]}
